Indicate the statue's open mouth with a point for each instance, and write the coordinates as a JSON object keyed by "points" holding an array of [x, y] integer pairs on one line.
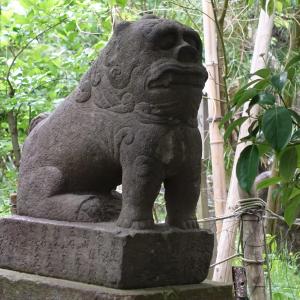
{"points": [[176, 76]]}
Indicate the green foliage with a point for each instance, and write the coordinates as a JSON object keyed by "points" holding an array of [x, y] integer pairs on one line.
{"points": [[159, 208], [247, 166], [267, 182], [46, 46], [7, 185], [42, 59], [233, 125], [288, 163], [277, 126], [284, 271]]}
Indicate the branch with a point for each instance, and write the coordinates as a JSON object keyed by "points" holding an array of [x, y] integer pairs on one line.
{"points": [[18, 110], [222, 17], [220, 33], [185, 8], [12, 91]]}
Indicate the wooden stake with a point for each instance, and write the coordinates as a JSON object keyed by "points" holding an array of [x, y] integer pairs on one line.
{"points": [[253, 244], [214, 112], [239, 283], [226, 246]]}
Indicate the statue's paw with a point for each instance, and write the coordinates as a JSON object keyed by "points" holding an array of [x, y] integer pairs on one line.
{"points": [[142, 224], [185, 224], [190, 224], [89, 210], [135, 224]]}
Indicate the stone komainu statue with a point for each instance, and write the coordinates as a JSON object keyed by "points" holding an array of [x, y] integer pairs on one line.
{"points": [[132, 120]]}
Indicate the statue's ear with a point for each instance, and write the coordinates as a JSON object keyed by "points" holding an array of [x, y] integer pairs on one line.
{"points": [[121, 26]]}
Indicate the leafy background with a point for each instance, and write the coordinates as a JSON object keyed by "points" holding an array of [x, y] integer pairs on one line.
{"points": [[46, 46]]}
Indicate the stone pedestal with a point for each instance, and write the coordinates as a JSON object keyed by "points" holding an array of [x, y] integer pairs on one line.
{"points": [[20, 286], [104, 254]]}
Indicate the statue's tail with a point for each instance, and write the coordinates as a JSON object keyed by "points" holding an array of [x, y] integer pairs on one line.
{"points": [[37, 120]]}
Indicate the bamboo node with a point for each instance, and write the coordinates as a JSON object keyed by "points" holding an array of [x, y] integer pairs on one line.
{"points": [[213, 120]]}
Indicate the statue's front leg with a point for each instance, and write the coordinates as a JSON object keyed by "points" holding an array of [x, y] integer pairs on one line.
{"points": [[182, 194], [141, 182]]}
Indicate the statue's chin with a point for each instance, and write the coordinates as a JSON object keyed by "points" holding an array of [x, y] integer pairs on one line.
{"points": [[175, 95]]}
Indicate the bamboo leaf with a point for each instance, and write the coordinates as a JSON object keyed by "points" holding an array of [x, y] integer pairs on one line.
{"points": [[263, 73], [267, 182], [293, 61], [247, 166], [233, 125], [291, 73], [277, 127], [261, 84], [244, 87], [240, 98], [226, 118]]}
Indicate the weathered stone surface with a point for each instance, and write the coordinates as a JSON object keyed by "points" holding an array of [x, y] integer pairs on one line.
{"points": [[20, 286], [105, 254], [131, 120]]}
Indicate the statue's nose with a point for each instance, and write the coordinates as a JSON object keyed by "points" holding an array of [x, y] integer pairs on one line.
{"points": [[187, 54]]}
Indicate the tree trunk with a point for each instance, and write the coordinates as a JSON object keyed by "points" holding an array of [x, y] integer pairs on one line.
{"points": [[214, 111], [13, 129], [226, 245]]}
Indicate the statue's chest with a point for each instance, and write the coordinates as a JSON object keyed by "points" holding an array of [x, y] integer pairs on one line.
{"points": [[172, 148]]}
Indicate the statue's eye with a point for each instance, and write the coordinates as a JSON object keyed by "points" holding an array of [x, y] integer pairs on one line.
{"points": [[167, 40], [192, 39]]}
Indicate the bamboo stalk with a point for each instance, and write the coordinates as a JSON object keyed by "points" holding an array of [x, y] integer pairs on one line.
{"points": [[214, 111], [226, 245], [202, 208]]}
